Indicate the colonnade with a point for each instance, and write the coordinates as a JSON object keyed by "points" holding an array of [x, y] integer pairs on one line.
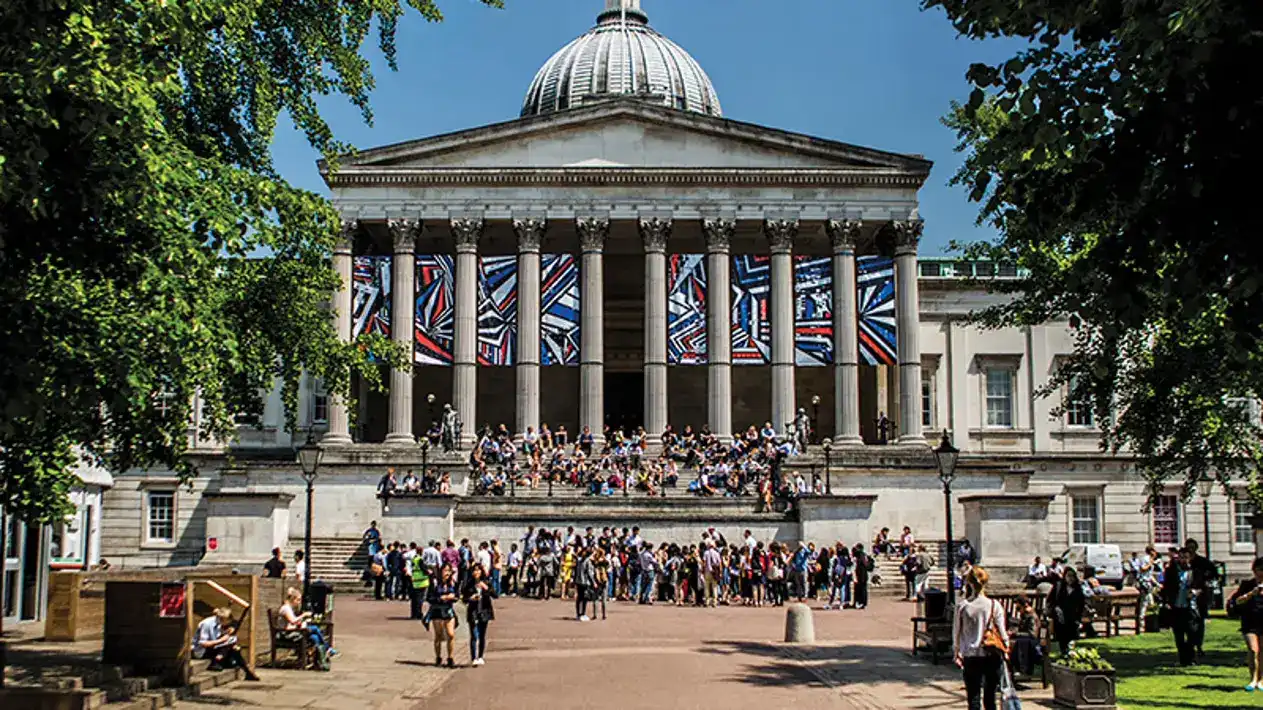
{"points": [[654, 232]]}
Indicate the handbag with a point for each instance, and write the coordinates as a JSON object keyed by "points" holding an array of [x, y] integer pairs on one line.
{"points": [[1008, 691], [992, 640]]}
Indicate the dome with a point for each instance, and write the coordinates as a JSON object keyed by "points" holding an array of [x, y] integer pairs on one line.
{"points": [[621, 56]]}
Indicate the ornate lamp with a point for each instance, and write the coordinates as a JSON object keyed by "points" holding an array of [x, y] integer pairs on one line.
{"points": [[309, 456], [945, 456]]}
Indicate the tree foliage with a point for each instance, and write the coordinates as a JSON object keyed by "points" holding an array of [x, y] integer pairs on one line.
{"points": [[135, 181], [1116, 153]]}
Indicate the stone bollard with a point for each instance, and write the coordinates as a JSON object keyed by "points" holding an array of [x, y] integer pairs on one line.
{"points": [[799, 628]]}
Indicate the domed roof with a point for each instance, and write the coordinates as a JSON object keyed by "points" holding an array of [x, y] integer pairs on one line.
{"points": [[622, 55]]}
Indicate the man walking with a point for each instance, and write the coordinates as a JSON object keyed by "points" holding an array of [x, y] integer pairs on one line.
{"points": [[712, 571], [648, 569]]}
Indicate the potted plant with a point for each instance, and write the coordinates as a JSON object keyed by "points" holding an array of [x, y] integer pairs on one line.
{"points": [[1082, 679]]}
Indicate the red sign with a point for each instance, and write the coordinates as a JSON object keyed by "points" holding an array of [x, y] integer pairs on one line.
{"points": [[171, 601], [212, 543]]}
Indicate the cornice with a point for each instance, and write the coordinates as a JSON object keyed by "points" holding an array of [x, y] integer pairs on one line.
{"points": [[588, 177]]}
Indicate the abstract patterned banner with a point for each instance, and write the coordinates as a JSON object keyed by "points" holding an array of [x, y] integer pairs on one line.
{"points": [[751, 329], [877, 309], [686, 309], [497, 310], [370, 296], [559, 309], [813, 311], [436, 311]]}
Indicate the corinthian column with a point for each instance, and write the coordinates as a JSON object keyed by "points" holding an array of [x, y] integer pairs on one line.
{"points": [[530, 232], [592, 234], [403, 306], [466, 233], [780, 235], [719, 325], [844, 233], [339, 433], [653, 234], [908, 324]]}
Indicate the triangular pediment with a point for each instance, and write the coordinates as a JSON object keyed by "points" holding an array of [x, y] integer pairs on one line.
{"points": [[629, 133]]}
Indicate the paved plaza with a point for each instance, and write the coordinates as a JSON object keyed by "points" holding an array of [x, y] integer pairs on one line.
{"points": [[641, 657]]}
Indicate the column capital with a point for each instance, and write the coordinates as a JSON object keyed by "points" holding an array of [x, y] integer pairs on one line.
{"points": [[592, 232], [466, 231], [908, 233], [719, 232], [844, 233], [403, 233], [530, 233], [780, 234], [345, 243], [654, 232]]}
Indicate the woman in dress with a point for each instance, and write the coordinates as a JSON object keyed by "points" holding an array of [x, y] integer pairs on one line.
{"points": [[479, 612], [568, 562], [443, 595], [1247, 605]]}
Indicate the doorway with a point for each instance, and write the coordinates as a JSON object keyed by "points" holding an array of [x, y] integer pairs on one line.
{"points": [[624, 400]]}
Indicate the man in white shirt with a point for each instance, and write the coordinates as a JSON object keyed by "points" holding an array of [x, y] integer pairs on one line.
{"points": [[484, 557], [432, 557], [216, 639], [1036, 572]]}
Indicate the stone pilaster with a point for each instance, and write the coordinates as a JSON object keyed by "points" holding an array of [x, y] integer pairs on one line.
{"points": [[593, 231], [530, 232], [654, 233], [843, 234], [780, 235], [339, 433], [908, 325], [403, 306], [466, 233], [719, 234]]}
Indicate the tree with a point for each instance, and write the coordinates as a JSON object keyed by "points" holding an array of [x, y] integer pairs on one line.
{"points": [[135, 181], [1112, 152]]}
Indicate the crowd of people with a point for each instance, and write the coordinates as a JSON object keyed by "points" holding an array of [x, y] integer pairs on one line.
{"points": [[697, 460]]}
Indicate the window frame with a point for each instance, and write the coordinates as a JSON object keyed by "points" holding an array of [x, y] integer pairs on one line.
{"points": [[1076, 408], [1176, 506], [1098, 504], [1010, 370], [1240, 501], [319, 395], [147, 540]]}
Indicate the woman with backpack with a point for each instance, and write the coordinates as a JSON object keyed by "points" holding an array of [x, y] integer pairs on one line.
{"points": [[863, 567], [839, 579]]}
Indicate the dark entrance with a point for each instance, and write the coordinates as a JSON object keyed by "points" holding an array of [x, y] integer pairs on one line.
{"points": [[624, 400]]}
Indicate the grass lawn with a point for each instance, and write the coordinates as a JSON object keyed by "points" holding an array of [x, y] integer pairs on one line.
{"points": [[1149, 678]]}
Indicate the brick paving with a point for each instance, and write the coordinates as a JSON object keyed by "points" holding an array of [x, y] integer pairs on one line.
{"points": [[641, 657]]}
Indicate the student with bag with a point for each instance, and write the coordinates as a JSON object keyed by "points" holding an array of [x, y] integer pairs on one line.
{"points": [[980, 641]]}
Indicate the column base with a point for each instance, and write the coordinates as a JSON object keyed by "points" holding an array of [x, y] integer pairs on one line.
{"points": [[400, 439], [912, 440], [332, 439], [850, 442]]}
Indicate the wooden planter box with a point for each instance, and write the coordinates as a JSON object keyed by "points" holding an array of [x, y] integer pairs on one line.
{"points": [[1083, 689], [1152, 623]]}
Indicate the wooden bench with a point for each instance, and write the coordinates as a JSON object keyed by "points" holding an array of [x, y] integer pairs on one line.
{"points": [[1111, 610], [299, 642], [934, 635]]}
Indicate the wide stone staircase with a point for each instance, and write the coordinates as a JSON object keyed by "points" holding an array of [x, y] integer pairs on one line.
{"points": [[892, 582], [338, 561]]}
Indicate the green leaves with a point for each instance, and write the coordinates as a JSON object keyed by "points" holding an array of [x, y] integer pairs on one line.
{"points": [[135, 181], [1108, 153]]}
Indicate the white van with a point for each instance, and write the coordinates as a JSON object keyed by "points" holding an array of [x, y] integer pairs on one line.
{"points": [[1107, 560]]}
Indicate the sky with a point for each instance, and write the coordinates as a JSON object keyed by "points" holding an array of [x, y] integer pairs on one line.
{"points": [[875, 73]]}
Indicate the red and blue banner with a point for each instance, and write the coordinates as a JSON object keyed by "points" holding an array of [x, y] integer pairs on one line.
{"points": [[751, 327], [436, 310], [686, 309], [370, 296], [497, 310], [813, 311], [876, 295], [559, 309]]}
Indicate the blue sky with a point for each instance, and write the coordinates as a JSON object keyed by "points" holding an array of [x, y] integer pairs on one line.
{"points": [[876, 73]]}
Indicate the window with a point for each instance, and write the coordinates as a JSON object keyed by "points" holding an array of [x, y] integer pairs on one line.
{"points": [[1078, 407], [319, 405], [927, 400], [252, 415], [1166, 520], [999, 397], [1086, 519], [160, 517], [162, 401], [1242, 529], [1248, 406]]}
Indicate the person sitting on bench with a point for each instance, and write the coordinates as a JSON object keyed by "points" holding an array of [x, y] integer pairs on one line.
{"points": [[216, 638]]}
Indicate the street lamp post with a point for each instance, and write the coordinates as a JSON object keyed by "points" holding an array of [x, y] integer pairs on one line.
{"points": [[815, 417], [309, 458], [429, 401], [945, 457], [828, 467], [425, 456], [1205, 486]]}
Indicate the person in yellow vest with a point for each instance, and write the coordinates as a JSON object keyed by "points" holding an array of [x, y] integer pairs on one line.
{"points": [[420, 588]]}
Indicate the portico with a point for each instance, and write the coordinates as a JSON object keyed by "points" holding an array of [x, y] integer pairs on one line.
{"points": [[607, 186]]}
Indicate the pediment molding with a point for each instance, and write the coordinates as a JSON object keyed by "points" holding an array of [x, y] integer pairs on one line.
{"points": [[595, 177]]}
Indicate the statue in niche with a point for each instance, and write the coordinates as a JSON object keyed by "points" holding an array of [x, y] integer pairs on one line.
{"points": [[449, 435], [802, 429]]}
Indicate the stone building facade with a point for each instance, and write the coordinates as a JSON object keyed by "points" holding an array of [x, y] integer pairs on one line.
{"points": [[622, 254]]}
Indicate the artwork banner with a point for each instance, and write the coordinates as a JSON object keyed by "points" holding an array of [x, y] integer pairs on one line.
{"points": [[435, 327], [559, 310], [876, 296], [370, 296], [686, 309], [751, 292], [497, 310], [813, 311]]}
